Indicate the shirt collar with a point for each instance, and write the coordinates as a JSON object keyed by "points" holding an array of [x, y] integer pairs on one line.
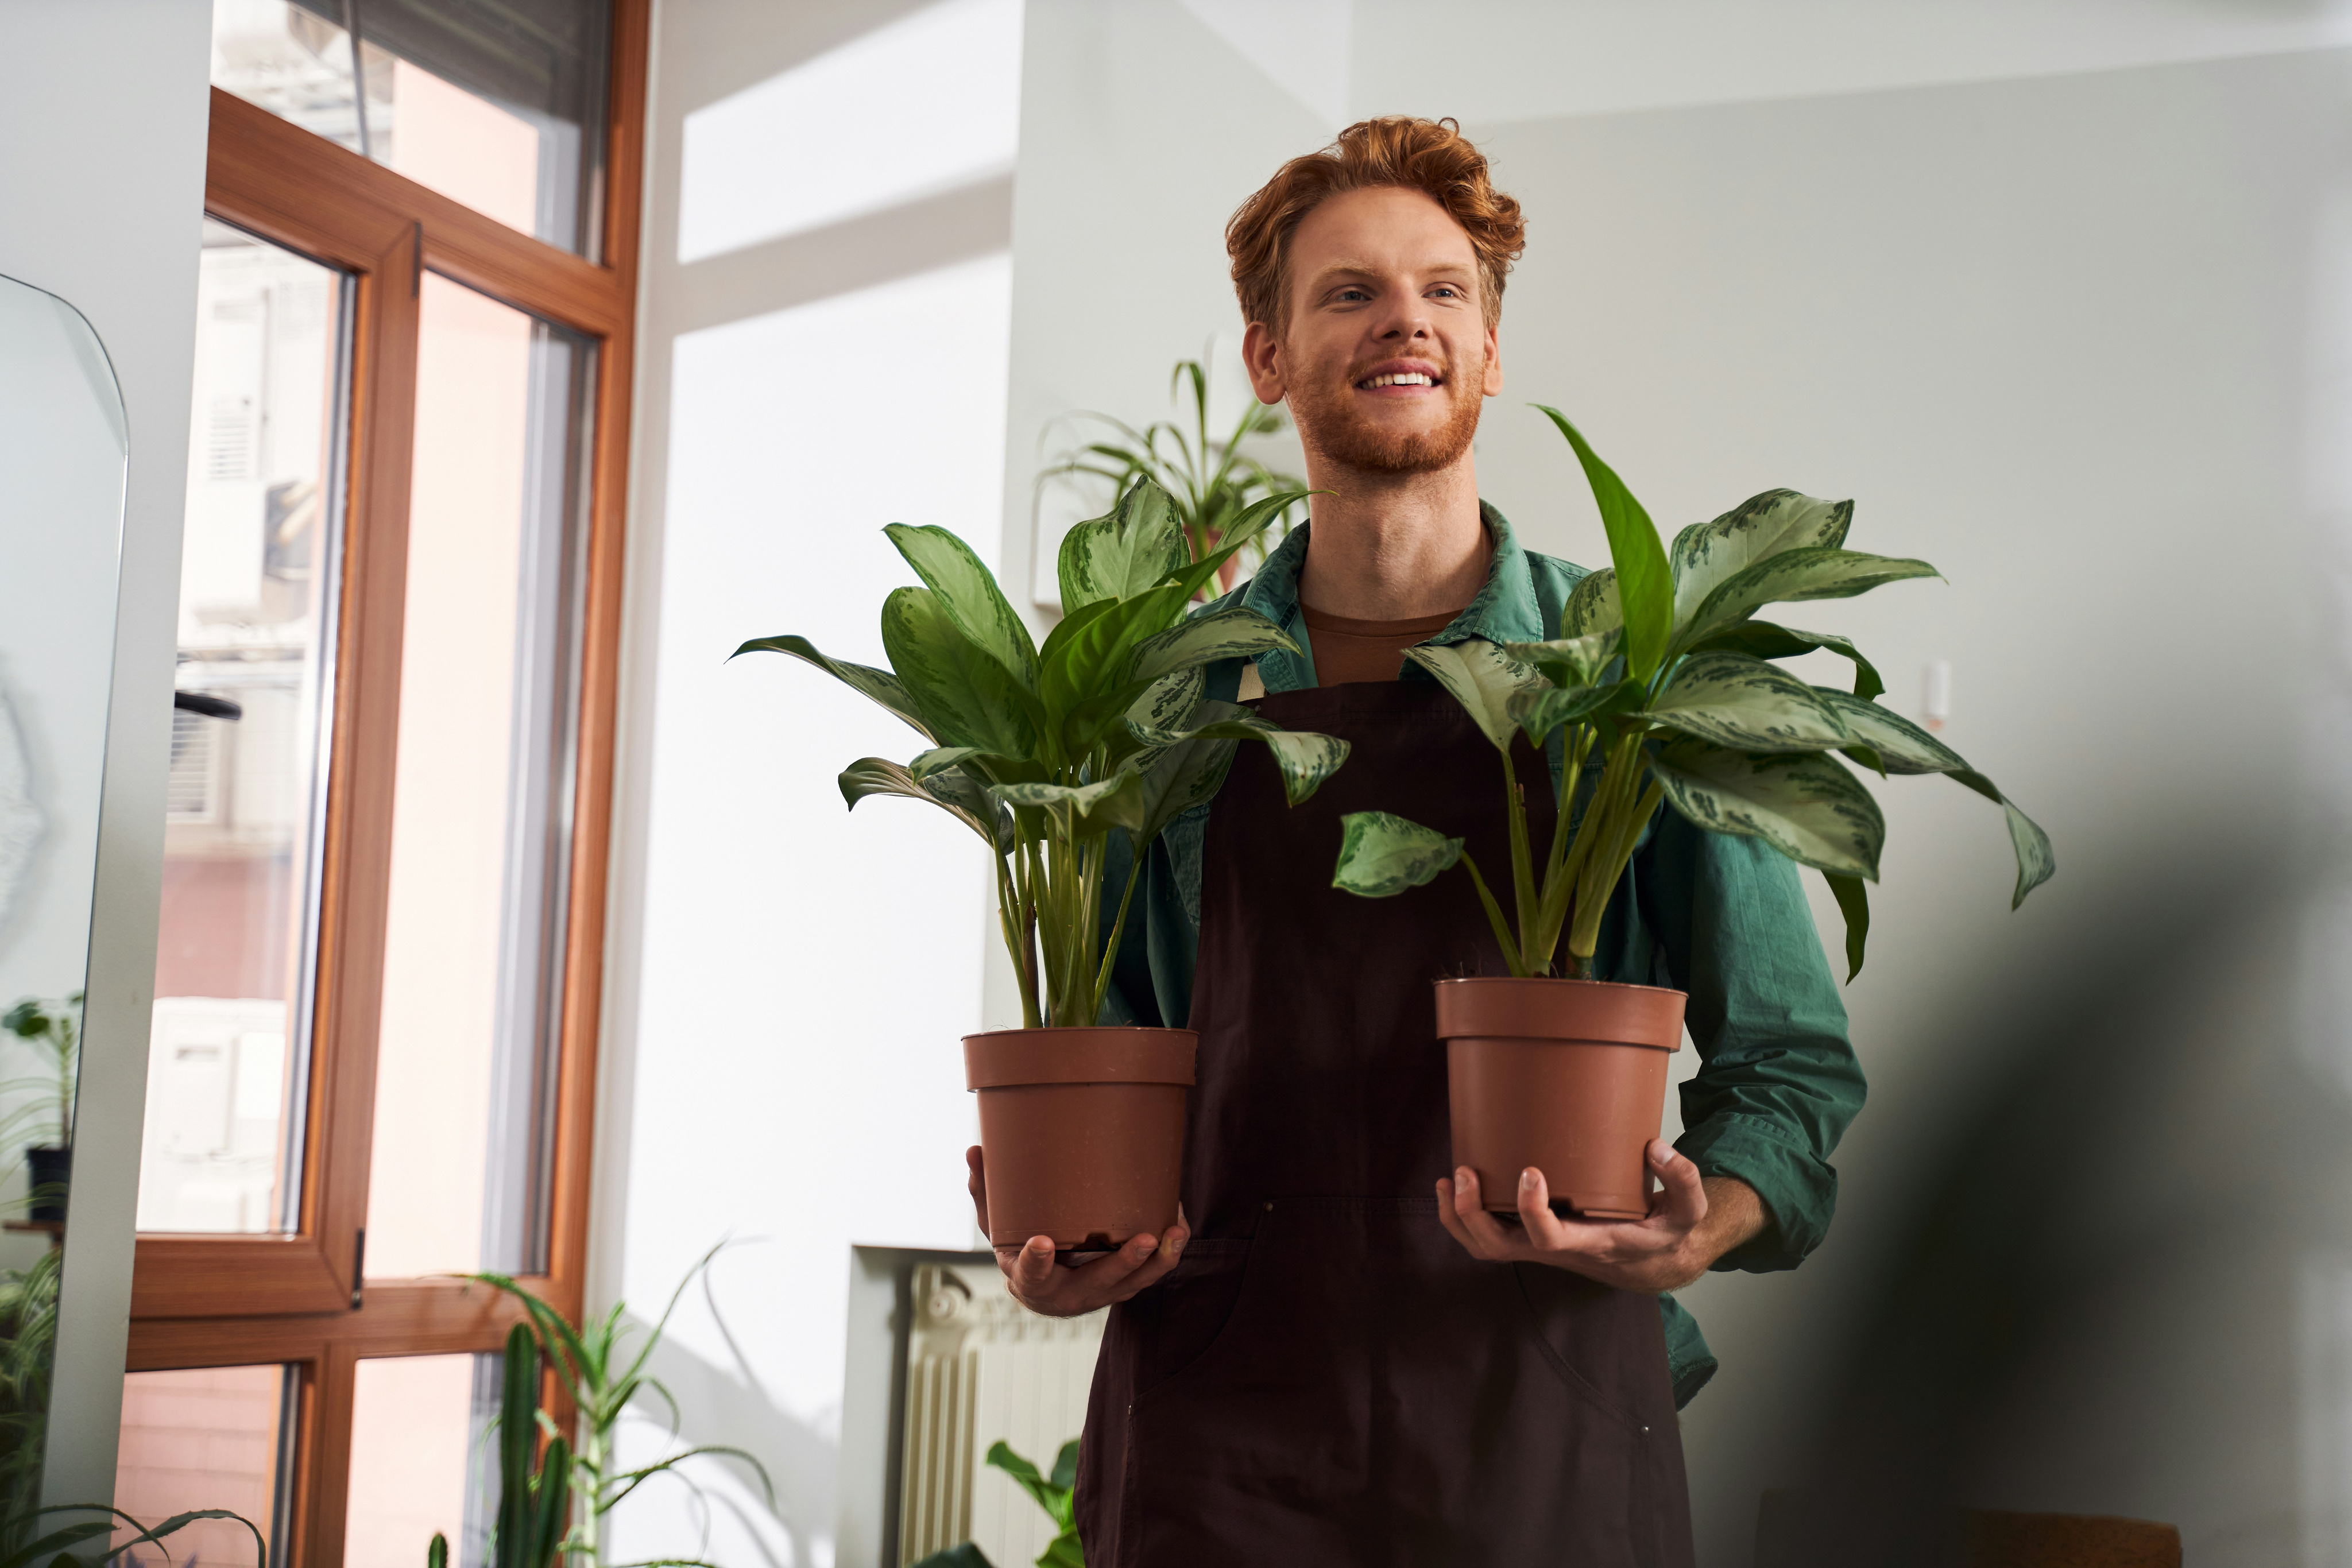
{"points": [[1505, 610]]}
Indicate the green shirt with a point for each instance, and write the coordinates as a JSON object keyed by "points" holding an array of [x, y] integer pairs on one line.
{"points": [[1718, 916]]}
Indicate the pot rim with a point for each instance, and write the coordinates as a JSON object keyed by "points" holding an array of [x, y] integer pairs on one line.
{"points": [[1120, 1055], [1553, 980]]}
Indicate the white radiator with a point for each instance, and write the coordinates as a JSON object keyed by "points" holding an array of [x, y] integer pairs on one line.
{"points": [[981, 1367]]}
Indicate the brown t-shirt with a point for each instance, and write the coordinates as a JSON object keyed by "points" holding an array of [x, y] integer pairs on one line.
{"points": [[1349, 650]]}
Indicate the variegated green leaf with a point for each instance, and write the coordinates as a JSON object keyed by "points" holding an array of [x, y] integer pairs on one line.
{"points": [[1118, 556], [1768, 640], [1790, 576], [1080, 811], [1592, 607], [1483, 679], [1569, 661], [1304, 758], [960, 795], [1806, 805], [1747, 704], [1853, 903], [969, 597], [2036, 862], [880, 685], [1901, 747], [1158, 715], [1539, 712], [1707, 554], [1170, 782], [1225, 634], [965, 699], [1380, 855], [1645, 583], [940, 758]]}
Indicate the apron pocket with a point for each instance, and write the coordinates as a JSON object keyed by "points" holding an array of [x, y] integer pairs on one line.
{"points": [[1176, 1324], [1574, 1322]]}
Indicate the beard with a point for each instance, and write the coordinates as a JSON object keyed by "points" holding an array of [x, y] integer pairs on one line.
{"points": [[1330, 425]]}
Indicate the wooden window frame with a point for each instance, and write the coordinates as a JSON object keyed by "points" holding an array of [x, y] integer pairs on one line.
{"points": [[299, 1300]]}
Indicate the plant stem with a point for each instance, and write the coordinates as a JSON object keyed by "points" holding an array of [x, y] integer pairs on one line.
{"points": [[1495, 918], [1118, 929], [1008, 904], [1523, 872]]}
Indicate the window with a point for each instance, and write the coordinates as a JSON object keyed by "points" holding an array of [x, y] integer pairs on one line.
{"points": [[385, 829]]}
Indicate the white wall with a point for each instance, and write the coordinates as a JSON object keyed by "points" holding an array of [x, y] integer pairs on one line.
{"points": [[102, 196], [789, 982]]}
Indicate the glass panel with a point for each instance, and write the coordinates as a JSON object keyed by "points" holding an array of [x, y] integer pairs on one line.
{"points": [[292, 60], [498, 104], [422, 1459], [220, 1437], [481, 803], [226, 1058], [63, 442]]}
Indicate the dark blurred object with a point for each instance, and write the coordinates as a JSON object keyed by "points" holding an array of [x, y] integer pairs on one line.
{"points": [[1795, 1529], [211, 707], [2103, 1285]]}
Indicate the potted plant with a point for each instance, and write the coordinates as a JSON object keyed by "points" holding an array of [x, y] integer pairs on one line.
{"points": [[1660, 688], [55, 1028], [1045, 752], [1209, 480]]}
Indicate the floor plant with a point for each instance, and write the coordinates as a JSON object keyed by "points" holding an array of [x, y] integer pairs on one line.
{"points": [[602, 1367], [1661, 687], [1056, 1492]]}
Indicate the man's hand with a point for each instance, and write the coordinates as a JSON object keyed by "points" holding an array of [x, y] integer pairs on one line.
{"points": [[1690, 1225], [1053, 1292]]}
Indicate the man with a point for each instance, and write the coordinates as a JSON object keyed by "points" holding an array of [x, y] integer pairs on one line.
{"points": [[1329, 1361]]}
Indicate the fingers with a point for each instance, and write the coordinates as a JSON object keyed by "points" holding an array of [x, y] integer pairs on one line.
{"points": [[977, 1186], [1039, 1284], [1544, 1230], [1682, 1203], [1485, 1233]]}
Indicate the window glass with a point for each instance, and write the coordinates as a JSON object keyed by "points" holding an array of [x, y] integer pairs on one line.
{"points": [[222, 1140], [498, 104], [220, 1437], [424, 1458], [481, 793]]}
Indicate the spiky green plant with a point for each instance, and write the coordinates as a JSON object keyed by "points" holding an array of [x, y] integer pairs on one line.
{"points": [[1209, 480], [602, 1367]]}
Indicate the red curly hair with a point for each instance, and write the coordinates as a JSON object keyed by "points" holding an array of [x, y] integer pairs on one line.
{"points": [[1431, 156]]}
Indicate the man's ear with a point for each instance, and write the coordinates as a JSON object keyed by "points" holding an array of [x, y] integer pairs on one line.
{"points": [[1493, 385], [1262, 355]]}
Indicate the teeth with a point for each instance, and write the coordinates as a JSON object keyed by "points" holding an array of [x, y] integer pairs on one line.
{"points": [[1408, 379]]}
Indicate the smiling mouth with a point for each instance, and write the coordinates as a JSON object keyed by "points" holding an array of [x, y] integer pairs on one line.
{"points": [[1397, 379]]}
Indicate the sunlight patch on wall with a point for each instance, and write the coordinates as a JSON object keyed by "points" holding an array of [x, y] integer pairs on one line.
{"points": [[807, 970], [927, 104]]}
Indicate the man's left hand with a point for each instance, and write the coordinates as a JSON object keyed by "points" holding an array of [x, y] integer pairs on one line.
{"points": [[1691, 1223]]}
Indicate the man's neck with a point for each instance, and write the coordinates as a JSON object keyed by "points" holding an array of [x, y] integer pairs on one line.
{"points": [[1394, 547]]}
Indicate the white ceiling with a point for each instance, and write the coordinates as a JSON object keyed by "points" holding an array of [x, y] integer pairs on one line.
{"points": [[1494, 60]]}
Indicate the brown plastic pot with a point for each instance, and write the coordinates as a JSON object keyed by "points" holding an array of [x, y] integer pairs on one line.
{"points": [[1082, 1129], [1568, 1076]]}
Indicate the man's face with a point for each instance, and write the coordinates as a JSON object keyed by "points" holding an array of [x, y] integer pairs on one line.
{"points": [[1386, 354]]}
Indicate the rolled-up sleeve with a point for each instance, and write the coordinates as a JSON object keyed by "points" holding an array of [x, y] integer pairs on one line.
{"points": [[1778, 1081]]}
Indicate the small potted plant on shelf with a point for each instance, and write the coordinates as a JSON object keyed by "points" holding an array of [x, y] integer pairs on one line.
{"points": [[54, 1028], [1045, 752], [1660, 689]]}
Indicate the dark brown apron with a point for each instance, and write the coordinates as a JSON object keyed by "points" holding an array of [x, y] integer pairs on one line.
{"points": [[1327, 1377]]}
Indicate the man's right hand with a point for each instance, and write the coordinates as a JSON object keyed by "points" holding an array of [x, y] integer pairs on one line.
{"points": [[1057, 1292]]}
